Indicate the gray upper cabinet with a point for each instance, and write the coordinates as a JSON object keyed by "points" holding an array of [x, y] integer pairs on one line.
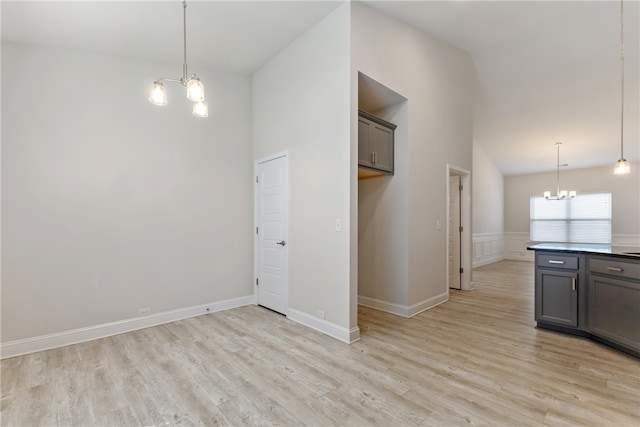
{"points": [[375, 142]]}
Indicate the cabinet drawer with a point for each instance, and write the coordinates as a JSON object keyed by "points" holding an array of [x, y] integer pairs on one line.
{"points": [[558, 261], [612, 267]]}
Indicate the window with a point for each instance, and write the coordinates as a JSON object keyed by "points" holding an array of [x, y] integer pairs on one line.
{"points": [[584, 219]]}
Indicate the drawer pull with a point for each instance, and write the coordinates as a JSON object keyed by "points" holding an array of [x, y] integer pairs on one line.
{"points": [[573, 283], [553, 261], [616, 269]]}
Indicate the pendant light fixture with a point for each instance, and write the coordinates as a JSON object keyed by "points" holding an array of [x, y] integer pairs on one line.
{"points": [[622, 166], [560, 194], [195, 88]]}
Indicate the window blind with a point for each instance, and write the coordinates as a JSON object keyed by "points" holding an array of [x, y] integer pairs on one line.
{"points": [[584, 219]]}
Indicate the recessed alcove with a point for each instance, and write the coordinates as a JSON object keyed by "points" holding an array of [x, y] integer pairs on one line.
{"points": [[383, 207]]}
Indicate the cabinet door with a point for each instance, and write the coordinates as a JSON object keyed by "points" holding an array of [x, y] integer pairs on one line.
{"points": [[382, 147], [365, 157], [557, 297], [614, 311]]}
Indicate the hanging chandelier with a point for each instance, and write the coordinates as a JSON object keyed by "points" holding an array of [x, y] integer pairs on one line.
{"points": [[622, 165], [195, 88], [560, 194]]}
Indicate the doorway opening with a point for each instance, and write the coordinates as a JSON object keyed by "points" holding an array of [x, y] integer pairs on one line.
{"points": [[458, 228]]}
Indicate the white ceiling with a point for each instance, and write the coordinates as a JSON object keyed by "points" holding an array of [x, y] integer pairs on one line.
{"points": [[547, 70]]}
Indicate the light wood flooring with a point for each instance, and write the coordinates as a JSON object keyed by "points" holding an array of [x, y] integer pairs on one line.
{"points": [[476, 360]]}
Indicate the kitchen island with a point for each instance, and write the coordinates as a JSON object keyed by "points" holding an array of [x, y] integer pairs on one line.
{"points": [[591, 290]]}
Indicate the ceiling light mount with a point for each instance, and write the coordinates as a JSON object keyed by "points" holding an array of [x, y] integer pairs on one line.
{"points": [[195, 88], [560, 194], [622, 166]]}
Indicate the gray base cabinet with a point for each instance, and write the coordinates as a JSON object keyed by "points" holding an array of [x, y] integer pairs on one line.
{"points": [[375, 143], [592, 295], [557, 297], [559, 284], [614, 303]]}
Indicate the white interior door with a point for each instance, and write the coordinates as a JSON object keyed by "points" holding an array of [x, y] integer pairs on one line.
{"points": [[271, 234], [454, 232]]}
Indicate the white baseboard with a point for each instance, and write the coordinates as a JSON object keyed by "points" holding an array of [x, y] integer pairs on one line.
{"points": [[345, 335], [488, 260], [389, 307], [60, 339], [403, 310], [427, 304]]}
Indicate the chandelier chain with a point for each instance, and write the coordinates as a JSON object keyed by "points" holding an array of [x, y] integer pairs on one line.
{"points": [[184, 39], [621, 79]]}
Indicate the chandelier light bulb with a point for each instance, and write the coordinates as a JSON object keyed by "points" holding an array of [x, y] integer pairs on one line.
{"points": [[158, 95], [201, 109], [195, 89]]}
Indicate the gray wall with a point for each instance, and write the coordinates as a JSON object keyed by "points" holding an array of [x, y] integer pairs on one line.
{"points": [[110, 204], [301, 104], [437, 80], [625, 191], [488, 194]]}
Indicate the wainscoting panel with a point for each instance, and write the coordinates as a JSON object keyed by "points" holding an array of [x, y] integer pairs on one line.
{"points": [[493, 247], [487, 248], [516, 247]]}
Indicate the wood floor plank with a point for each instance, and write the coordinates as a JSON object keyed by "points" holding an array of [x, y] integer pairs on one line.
{"points": [[477, 360]]}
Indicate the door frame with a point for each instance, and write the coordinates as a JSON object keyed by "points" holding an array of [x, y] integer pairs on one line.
{"points": [[454, 238], [465, 220], [256, 242]]}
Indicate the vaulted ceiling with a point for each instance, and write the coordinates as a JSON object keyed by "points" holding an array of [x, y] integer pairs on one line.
{"points": [[547, 70]]}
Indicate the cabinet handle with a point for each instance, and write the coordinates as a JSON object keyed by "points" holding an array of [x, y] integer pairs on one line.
{"points": [[373, 158], [553, 261], [616, 269], [573, 283]]}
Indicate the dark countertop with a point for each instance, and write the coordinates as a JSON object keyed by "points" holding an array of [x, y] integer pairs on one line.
{"points": [[589, 248]]}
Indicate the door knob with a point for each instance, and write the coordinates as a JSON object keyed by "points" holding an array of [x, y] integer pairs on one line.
{"points": [[281, 243]]}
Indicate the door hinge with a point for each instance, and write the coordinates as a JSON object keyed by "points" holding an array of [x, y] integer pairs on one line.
{"points": [[460, 229], [257, 282], [460, 187], [256, 230], [256, 179], [461, 270]]}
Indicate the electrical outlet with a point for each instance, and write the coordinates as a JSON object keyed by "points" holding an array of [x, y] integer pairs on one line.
{"points": [[144, 311], [320, 314], [438, 225], [338, 224]]}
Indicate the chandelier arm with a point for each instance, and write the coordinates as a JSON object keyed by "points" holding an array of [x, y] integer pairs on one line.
{"points": [[168, 79]]}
